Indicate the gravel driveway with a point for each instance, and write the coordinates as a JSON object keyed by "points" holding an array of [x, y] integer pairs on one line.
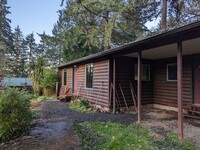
{"points": [[54, 126]]}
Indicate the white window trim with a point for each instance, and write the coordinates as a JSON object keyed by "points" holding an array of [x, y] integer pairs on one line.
{"points": [[149, 77], [167, 77]]}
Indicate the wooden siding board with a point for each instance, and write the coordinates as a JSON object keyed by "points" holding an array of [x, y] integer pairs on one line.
{"points": [[125, 74], [165, 92], [100, 93], [157, 90]]}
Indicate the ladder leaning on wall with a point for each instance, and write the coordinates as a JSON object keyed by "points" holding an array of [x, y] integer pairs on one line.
{"points": [[133, 94]]}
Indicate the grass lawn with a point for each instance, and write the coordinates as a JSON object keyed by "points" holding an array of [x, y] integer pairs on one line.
{"points": [[112, 136]]}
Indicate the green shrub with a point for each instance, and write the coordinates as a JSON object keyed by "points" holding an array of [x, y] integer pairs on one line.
{"points": [[15, 113], [79, 105], [36, 73], [49, 82]]}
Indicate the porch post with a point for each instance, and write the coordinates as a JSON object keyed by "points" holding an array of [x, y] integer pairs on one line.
{"points": [[179, 89], [139, 86], [114, 87]]}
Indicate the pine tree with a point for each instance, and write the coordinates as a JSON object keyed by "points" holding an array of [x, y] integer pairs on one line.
{"points": [[20, 53], [52, 53], [5, 33], [85, 27], [32, 46], [42, 46]]}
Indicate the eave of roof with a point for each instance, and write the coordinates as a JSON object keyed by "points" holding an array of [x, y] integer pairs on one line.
{"points": [[135, 43]]}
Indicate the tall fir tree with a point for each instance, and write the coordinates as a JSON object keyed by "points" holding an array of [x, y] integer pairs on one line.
{"points": [[51, 51], [20, 53], [32, 46], [5, 34], [85, 27]]}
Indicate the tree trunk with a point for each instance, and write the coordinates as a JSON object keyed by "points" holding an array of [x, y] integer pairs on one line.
{"points": [[164, 15], [107, 45]]}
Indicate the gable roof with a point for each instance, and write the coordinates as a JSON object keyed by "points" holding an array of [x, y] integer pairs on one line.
{"points": [[183, 33], [16, 82]]}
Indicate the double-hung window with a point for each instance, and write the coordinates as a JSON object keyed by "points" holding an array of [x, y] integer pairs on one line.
{"points": [[145, 72], [171, 72], [89, 73]]}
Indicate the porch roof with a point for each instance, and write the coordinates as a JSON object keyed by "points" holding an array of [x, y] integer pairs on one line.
{"points": [[183, 33]]}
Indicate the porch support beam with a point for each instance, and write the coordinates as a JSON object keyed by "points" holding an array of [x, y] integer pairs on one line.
{"points": [[180, 89], [139, 85], [114, 86]]}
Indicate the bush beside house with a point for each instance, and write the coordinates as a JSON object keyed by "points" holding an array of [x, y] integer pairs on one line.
{"points": [[49, 82], [15, 113]]}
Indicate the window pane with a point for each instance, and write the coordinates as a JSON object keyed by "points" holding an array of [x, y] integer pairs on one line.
{"points": [[145, 72], [172, 72], [89, 76], [65, 77], [136, 71]]}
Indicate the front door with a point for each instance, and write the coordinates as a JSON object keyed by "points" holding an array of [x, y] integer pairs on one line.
{"points": [[197, 83]]}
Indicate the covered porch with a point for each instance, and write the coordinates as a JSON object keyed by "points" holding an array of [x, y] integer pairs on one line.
{"points": [[163, 73]]}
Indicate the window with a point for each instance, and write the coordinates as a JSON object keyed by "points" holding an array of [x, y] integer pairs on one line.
{"points": [[89, 76], [64, 77], [145, 72], [171, 72]]}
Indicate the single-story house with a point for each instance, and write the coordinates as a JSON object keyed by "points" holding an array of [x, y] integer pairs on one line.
{"points": [[163, 70], [22, 83]]}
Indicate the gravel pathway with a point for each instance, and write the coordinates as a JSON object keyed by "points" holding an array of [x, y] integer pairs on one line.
{"points": [[161, 121], [54, 126]]}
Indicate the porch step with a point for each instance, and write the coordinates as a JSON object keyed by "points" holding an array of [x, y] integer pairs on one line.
{"points": [[192, 116]]}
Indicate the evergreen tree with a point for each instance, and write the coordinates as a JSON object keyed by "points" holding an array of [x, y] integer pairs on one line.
{"points": [[20, 52], [51, 49], [85, 27], [179, 12], [42, 46], [32, 46], [5, 33], [16, 62]]}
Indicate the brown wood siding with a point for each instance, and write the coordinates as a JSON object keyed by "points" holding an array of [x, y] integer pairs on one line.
{"points": [[165, 92], [125, 74], [100, 93]]}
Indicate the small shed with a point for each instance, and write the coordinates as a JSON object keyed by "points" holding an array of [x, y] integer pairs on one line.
{"points": [[22, 83]]}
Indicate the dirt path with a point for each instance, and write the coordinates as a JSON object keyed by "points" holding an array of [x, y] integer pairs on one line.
{"points": [[54, 127]]}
